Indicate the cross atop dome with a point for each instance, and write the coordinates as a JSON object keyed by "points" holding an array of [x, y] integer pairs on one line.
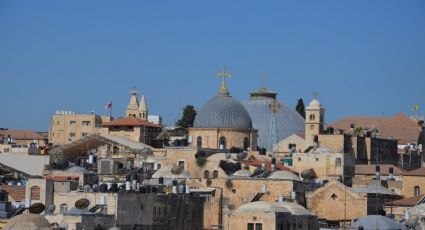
{"points": [[223, 88]]}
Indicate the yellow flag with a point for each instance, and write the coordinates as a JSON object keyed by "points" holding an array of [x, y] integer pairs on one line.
{"points": [[415, 107]]}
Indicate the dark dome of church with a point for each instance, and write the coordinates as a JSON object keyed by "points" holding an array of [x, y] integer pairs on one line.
{"points": [[287, 122], [223, 111]]}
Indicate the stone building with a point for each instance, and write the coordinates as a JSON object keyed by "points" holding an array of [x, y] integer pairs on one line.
{"points": [[22, 138], [414, 183], [133, 128], [272, 216], [223, 123], [135, 108], [66, 126], [326, 164]]}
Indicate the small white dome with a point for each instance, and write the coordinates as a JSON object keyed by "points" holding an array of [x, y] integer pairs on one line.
{"points": [[314, 104], [242, 173], [262, 207], [284, 175]]}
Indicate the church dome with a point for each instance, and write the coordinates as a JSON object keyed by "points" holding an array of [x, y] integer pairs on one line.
{"points": [[314, 104], [223, 111], [287, 123], [28, 221]]}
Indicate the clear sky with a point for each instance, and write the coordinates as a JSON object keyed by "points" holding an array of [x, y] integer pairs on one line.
{"points": [[363, 57]]}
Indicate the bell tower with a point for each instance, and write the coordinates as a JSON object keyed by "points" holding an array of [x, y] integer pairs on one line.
{"points": [[133, 104], [143, 109], [314, 120]]}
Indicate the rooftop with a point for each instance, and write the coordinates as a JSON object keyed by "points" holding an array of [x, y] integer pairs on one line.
{"points": [[22, 134], [130, 121], [398, 126]]}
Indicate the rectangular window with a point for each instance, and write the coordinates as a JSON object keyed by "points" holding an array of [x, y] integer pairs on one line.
{"points": [[225, 202], [84, 134], [58, 123], [72, 123], [250, 226], [338, 162], [258, 226], [317, 159], [299, 159], [86, 123], [71, 134], [181, 164]]}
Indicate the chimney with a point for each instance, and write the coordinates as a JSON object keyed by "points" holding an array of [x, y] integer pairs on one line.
{"points": [[391, 174], [294, 196], [273, 164], [378, 172], [127, 183], [280, 199], [91, 157], [174, 187], [134, 182]]}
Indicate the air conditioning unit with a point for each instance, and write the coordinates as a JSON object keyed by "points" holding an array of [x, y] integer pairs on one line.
{"points": [[107, 167]]}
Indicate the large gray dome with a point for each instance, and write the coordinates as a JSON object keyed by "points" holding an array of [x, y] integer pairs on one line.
{"points": [[223, 111], [287, 122]]}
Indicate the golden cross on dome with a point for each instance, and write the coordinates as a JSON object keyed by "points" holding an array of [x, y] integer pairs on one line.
{"points": [[315, 94], [223, 75]]}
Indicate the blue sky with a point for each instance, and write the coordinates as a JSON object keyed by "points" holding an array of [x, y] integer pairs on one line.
{"points": [[363, 57]]}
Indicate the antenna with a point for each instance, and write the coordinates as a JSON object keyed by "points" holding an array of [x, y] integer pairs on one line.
{"points": [[82, 203]]}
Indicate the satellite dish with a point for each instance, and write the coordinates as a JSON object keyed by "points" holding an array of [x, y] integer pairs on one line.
{"points": [[177, 170], [37, 208], [82, 203], [50, 209]]}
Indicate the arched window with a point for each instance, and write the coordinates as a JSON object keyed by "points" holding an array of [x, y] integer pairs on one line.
{"points": [[199, 142], [312, 117], [35, 193], [206, 174], [222, 143], [245, 143], [115, 150], [417, 191], [63, 208], [215, 174]]}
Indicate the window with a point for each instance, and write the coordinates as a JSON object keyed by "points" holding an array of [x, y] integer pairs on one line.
{"points": [[417, 191], [58, 123], [71, 134], [181, 164], [85, 123], [72, 123], [225, 202], [245, 143], [258, 226], [338, 162], [317, 159], [63, 208], [206, 174], [299, 159], [222, 143], [35, 193], [199, 142], [215, 174], [115, 150], [250, 226], [84, 134], [312, 117]]}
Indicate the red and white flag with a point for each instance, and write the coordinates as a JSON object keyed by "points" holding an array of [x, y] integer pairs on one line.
{"points": [[108, 106]]}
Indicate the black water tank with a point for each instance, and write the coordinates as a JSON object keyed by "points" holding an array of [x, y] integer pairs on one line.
{"points": [[103, 188]]}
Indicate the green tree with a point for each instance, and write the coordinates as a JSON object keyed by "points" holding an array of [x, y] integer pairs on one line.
{"points": [[300, 107], [188, 117]]}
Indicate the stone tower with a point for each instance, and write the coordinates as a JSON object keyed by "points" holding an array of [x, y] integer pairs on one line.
{"points": [[133, 105], [314, 120], [143, 109]]}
